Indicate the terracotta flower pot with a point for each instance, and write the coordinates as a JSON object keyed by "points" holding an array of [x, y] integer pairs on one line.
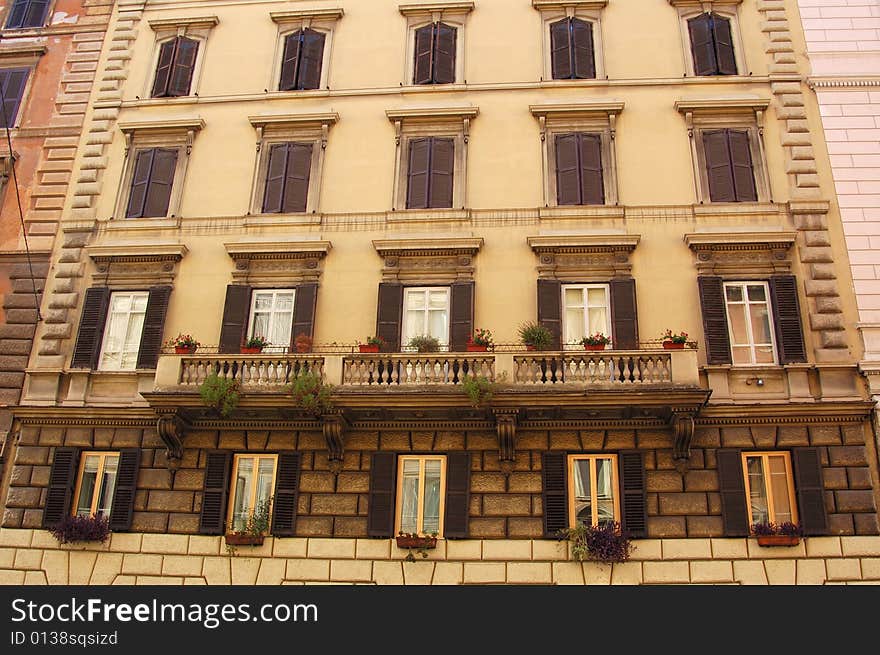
{"points": [[530, 347], [594, 346], [476, 348], [368, 347], [235, 539], [778, 540], [672, 345], [245, 350], [416, 542], [184, 350]]}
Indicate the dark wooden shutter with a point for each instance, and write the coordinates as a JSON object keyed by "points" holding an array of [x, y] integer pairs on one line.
{"points": [[380, 510], [36, 13], [633, 496], [741, 165], [718, 166], [424, 55], [296, 185], [388, 315], [550, 309], [235, 316], [161, 180], [311, 60], [418, 174], [787, 319], [462, 313], [582, 49], [724, 57], [12, 83], [714, 312], [122, 509], [734, 512], [624, 314], [444, 54], [290, 61], [154, 325], [276, 173], [17, 14], [284, 504], [810, 490], [140, 181], [458, 495], [592, 186], [702, 48], [62, 477], [217, 471], [568, 185], [305, 301], [163, 68], [560, 50], [184, 65], [554, 487], [91, 328], [442, 163]]}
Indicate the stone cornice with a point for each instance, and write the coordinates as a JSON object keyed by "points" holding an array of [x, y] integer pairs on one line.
{"points": [[188, 21], [765, 414], [809, 207], [565, 4], [703, 4], [22, 50], [716, 241], [841, 82], [294, 120], [584, 243], [425, 247], [194, 123], [721, 104], [282, 17], [277, 249], [432, 113], [137, 252], [574, 109], [419, 8]]}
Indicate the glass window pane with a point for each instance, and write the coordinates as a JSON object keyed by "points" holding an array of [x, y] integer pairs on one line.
{"points": [[243, 486], [284, 302], [262, 301], [438, 299], [598, 321], [108, 485], [779, 489], [764, 355], [756, 292], [604, 491], [757, 490], [574, 325], [409, 511], [265, 474], [574, 297], [431, 509], [741, 355], [583, 507], [415, 299], [737, 320], [596, 297], [139, 302], [439, 325], [734, 293], [87, 486], [279, 333], [414, 326], [260, 325], [760, 323]]}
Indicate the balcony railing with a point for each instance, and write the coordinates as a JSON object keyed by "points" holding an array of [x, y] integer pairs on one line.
{"points": [[250, 370], [416, 369], [597, 368]]}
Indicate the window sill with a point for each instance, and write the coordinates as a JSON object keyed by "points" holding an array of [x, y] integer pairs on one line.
{"points": [[738, 209], [581, 211], [143, 223], [300, 218], [413, 215]]}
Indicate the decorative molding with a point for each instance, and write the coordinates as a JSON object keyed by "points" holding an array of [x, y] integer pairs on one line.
{"points": [[586, 243], [22, 50], [172, 428], [505, 426], [277, 249], [425, 261], [706, 5], [432, 113], [841, 82], [542, 5], [721, 104], [136, 252], [428, 247], [682, 424], [138, 264], [420, 8], [584, 257], [278, 261], [194, 22], [163, 125], [577, 109], [294, 120], [741, 253], [297, 15], [334, 427]]}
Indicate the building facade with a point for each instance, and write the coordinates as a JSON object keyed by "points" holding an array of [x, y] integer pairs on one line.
{"points": [[300, 175]]}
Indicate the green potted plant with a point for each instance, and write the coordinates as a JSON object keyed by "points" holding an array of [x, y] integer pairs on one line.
{"points": [[255, 528], [478, 389], [674, 341], [480, 341], [777, 534], [424, 344], [311, 394], [183, 344], [371, 345], [254, 345], [535, 336], [220, 394], [596, 341], [606, 543]]}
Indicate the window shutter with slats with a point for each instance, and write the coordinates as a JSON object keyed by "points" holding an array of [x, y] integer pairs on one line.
{"points": [[424, 55], [441, 164], [734, 512], [380, 510], [741, 165], [184, 65], [810, 489], [568, 185], [235, 316], [389, 314], [550, 309], [62, 478], [714, 319], [723, 38], [284, 503], [624, 314], [633, 496], [560, 50], [296, 184], [702, 48], [12, 83], [276, 173], [91, 328], [444, 54], [592, 185], [140, 182], [163, 67], [122, 509], [217, 471], [787, 319], [305, 301], [290, 61], [462, 313], [35, 16], [154, 326], [311, 60], [161, 180], [719, 171], [458, 494], [418, 174], [554, 483], [582, 49]]}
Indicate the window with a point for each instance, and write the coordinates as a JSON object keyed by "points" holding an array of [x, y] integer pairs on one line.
{"points": [[27, 13], [174, 71], [749, 322], [122, 336], [426, 312], [12, 85], [95, 484], [272, 317], [587, 311], [430, 173], [151, 184], [302, 60], [287, 178], [593, 499], [578, 159], [253, 484], [571, 49], [421, 491], [729, 169], [434, 54], [711, 45], [769, 488], [435, 42]]}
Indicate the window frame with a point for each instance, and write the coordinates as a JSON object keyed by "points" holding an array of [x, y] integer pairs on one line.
{"points": [[789, 478], [102, 454], [271, 348], [50, 7], [197, 28], [568, 344], [729, 9], [418, 16], [398, 496], [319, 20], [615, 483], [590, 12], [15, 121], [107, 322], [233, 485], [744, 284], [404, 338]]}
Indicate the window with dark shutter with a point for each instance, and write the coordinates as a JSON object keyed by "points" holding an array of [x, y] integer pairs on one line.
{"points": [[624, 314], [91, 328], [389, 315], [550, 309], [174, 70], [554, 489], [12, 84], [729, 168], [787, 319], [810, 488], [302, 60], [284, 503], [458, 493], [734, 511], [217, 467], [633, 493], [380, 510], [151, 183], [122, 509], [712, 45], [712, 305], [462, 315], [235, 316], [571, 49], [27, 13], [62, 478], [287, 178], [154, 325], [579, 177], [304, 304], [435, 52], [430, 170]]}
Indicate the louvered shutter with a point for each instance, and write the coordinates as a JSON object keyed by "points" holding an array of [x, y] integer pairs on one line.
{"points": [[418, 174], [582, 46], [62, 477], [217, 470], [724, 57], [91, 328], [140, 181], [122, 508], [787, 319], [12, 83], [296, 187], [284, 504], [276, 173], [560, 50], [17, 14], [380, 510], [810, 490], [388, 315], [444, 54], [702, 48], [554, 483], [161, 181], [633, 496], [568, 186], [550, 309], [741, 161], [163, 67], [462, 313], [714, 319], [458, 494], [35, 16], [290, 62], [154, 326], [734, 512], [424, 55], [592, 186], [184, 65], [235, 316], [305, 301], [442, 163], [718, 166], [624, 314], [311, 60]]}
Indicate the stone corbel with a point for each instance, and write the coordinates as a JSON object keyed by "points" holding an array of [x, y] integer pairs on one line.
{"points": [[334, 426], [398, 126], [171, 428], [612, 124], [325, 131], [259, 138], [466, 129], [190, 135], [505, 425], [542, 122], [127, 137], [682, 424]]}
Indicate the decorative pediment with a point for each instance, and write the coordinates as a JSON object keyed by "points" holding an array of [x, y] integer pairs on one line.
{"points": [[421, 8], [184, 24], [428, 260], [584, 257], [137, 263], [300, 15], [545, 5], [277, 261], [739, 253]]}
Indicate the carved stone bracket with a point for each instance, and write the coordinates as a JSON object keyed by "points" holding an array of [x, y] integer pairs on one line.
{"points": [[505, 424], [682, 424], [171, 428], [334, 426]]}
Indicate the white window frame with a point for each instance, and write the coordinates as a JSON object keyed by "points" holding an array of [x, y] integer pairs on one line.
{"points": [[319, 20], [572, 342], [404, 337], [102, 366], [197, 28], [398, 506], [729, 9], [453, 14], [554, 11], [593, 481], [272, 347], [743, 285]]}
